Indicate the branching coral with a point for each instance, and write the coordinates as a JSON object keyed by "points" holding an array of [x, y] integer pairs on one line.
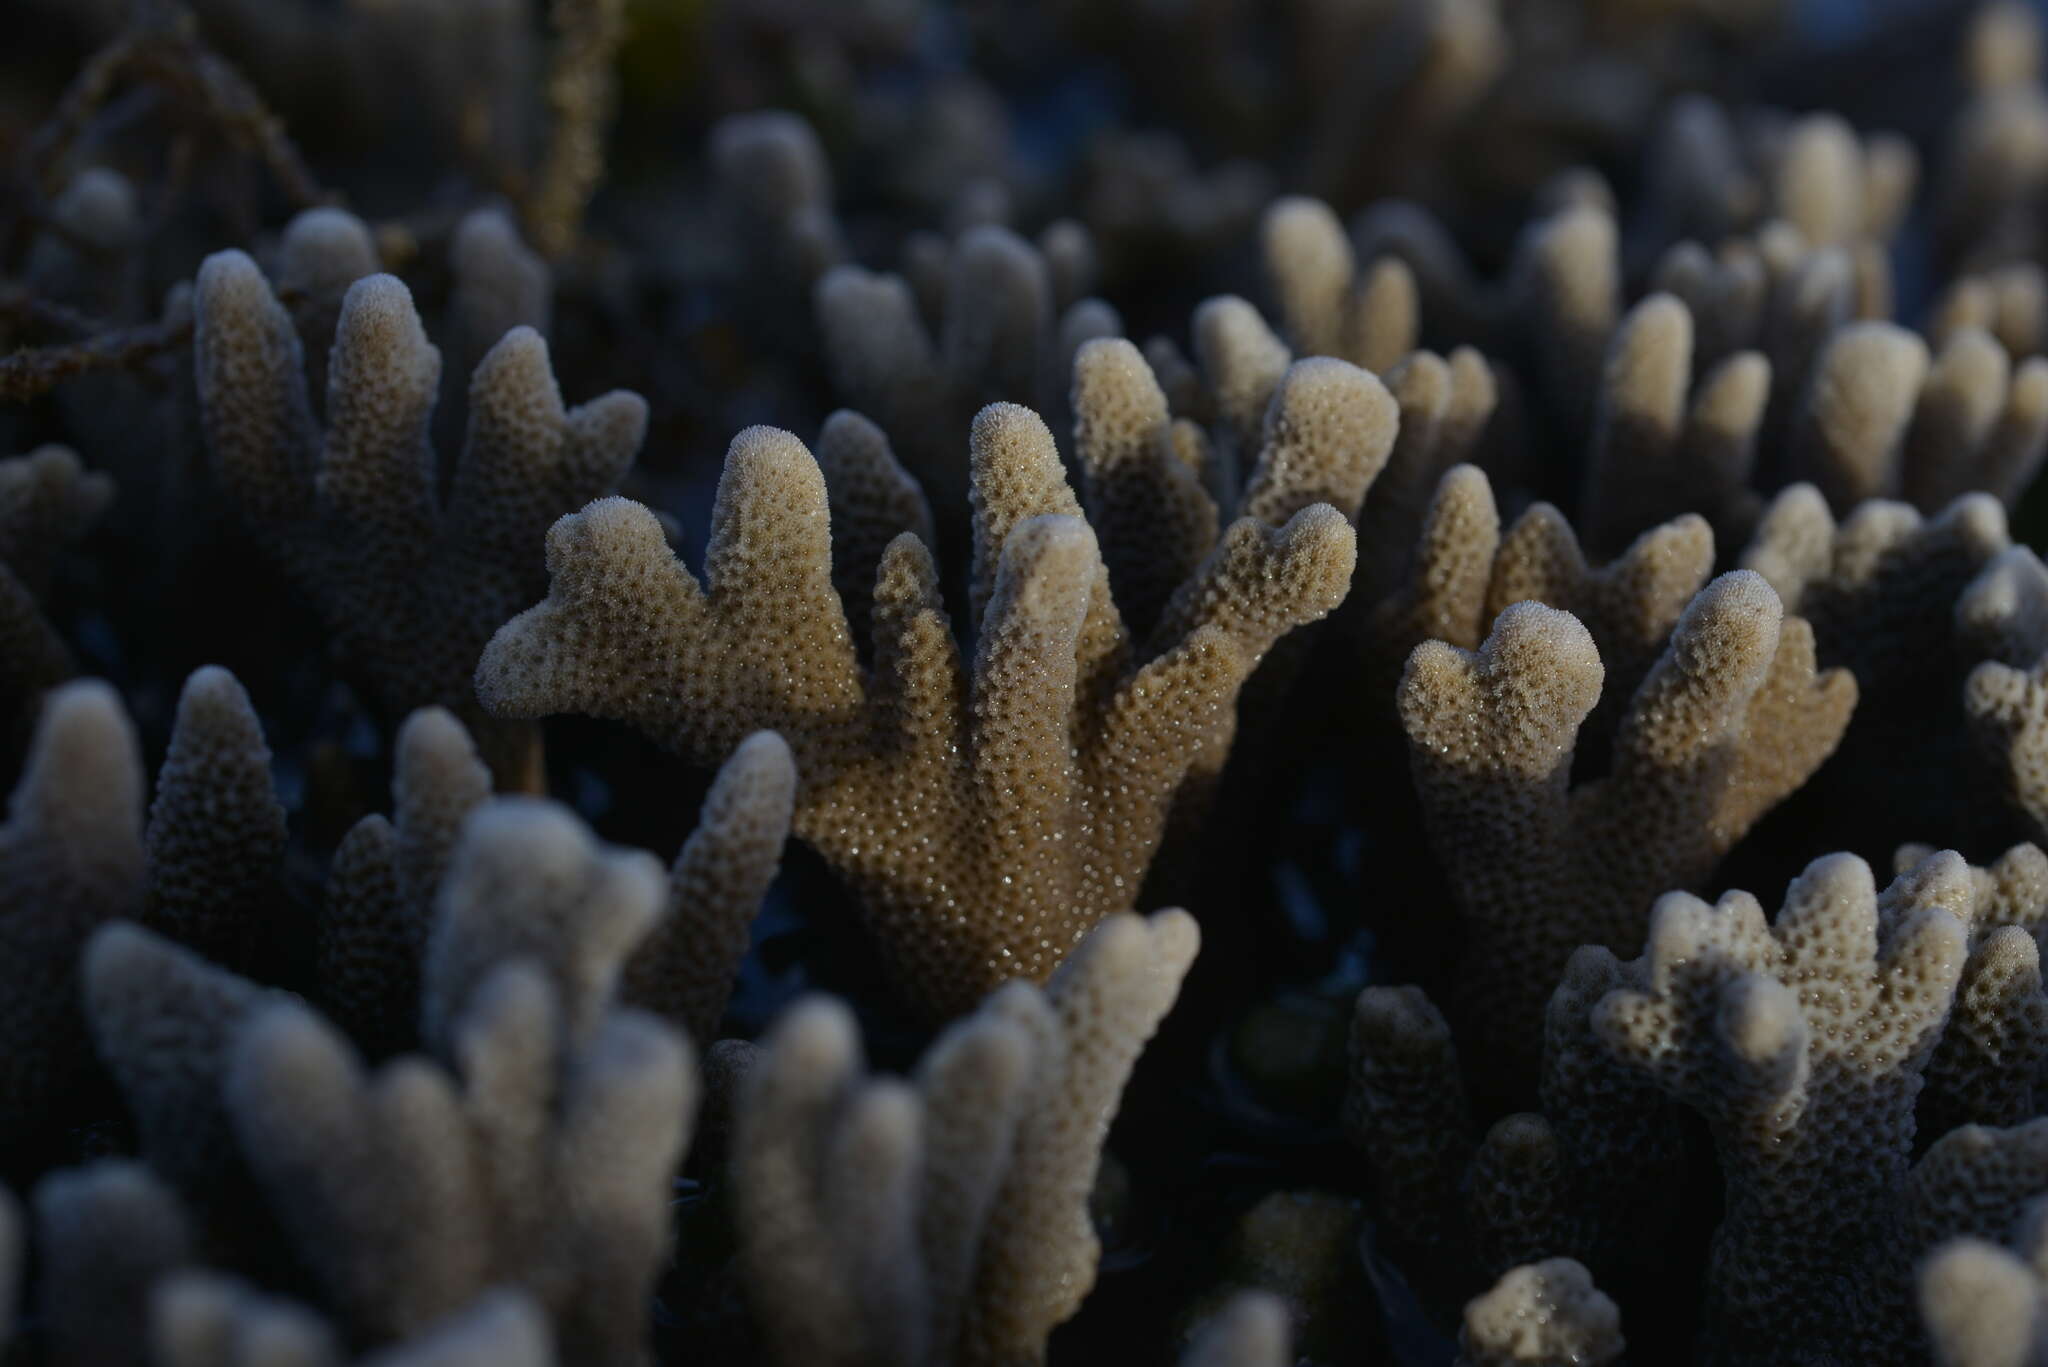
{"points": [[945, 1221], [383, 894], [1881, 589], [543, 1158], [1731, 718], [987, 820], [1803, 1043], [410, 586], [1987, 1067], [1588, 1176]]}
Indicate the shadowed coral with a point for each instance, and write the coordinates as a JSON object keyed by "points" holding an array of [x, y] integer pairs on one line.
{"points": [[1986, 1304], [1881, 590], [1732, 717], [1588, 1176], [543, 1158], [163, 1019], [378, 911], [987, 820], [106, 1233], [384, 891], [71, 858], [945, 1221], [1803, 1044], [47, 501], [1986, 1069], [216, 831], [1658, 453], [684, 968], [202, 1319], [1001, 336], [1250, 1331], [410, 587]]}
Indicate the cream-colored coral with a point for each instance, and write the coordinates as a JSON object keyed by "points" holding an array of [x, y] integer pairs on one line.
{"points": [[1986, 1068], [987, 820], [2010, 302], [1546, 1314], [683, 969], [1659, 450], [203, 1319], [410, 587], [1731, 718], [945, 1221], [539, 1149], [1802, 1043], [1985, 1304], [1329, 307]]}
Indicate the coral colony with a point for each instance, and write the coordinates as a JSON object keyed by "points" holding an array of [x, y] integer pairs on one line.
{"points": [[1363, 682]]}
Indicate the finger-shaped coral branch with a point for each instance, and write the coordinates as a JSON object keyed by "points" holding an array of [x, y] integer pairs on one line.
{"points": [[216, 830], [1803, 1044], [1048, 768], [1491, 739], [71, 859], [411, 589], [945, 1222]]}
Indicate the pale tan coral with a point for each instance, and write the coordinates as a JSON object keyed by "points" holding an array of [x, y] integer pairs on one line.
{"points": [[987, 820], [1546, 1314], [1803, 1044], [1329, 307], [1658, 453], [946, 1222], [1987, 1066], [1986, 1305], [203, 1319], [547, 1164], [410, 587], [1980, 423], [1731, 717], [683, 969]]}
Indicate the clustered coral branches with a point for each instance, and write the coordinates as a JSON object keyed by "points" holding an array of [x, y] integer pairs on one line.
{"points": [[1455, 589]]}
